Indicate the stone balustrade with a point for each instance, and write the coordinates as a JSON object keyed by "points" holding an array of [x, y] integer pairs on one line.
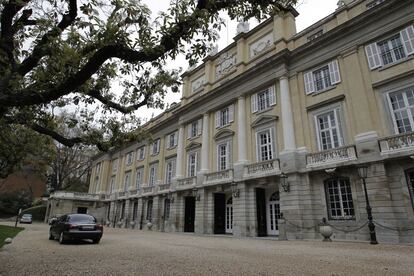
{"points": [[164, 187], [262, 168], [332, 156], [189, 181], [218, 177], [397, 143], [148, 189], [74, 195]]}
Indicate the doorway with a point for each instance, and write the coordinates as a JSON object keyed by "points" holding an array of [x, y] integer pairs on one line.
{"points": [[261, 212], [273, 214], [229, 215], [219, 213], [189, 214]]}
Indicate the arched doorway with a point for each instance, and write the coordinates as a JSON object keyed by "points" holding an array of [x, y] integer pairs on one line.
{"points": [[229, 215], [273, 214]]}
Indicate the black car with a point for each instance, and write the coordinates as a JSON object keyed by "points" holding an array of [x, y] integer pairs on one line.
{"points": [[75, 227]]}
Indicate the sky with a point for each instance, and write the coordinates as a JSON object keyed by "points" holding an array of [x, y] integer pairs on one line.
{"points": [[310, 11]]}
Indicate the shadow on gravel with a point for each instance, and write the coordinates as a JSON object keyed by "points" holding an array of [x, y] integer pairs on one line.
{"points": [[78, 242]]}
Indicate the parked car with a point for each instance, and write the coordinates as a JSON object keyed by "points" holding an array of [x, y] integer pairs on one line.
{"points": [[26, 218], [75, 227]]}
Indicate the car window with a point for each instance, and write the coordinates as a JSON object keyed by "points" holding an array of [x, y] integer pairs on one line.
{"points": [[82, 218]]}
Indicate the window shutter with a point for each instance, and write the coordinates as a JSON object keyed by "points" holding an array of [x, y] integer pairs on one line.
{"points": [[253, 99], [176, 138], [174, 167], [309, 85], [374, 60], [199, 126], [334, 72], [339, 125], [408, 39], [229, 156], [197, 156], [231, 113], [218, 119], [143, 154], [272, 95], [189, 131], [218, 157], [158, 145]]}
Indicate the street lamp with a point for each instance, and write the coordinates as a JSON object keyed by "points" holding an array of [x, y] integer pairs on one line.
{"points": [[234, 191], [363, 173], [284, 182], [196, 195]]}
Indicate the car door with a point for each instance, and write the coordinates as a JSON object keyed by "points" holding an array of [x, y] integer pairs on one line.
{"points": [[58, 226]]}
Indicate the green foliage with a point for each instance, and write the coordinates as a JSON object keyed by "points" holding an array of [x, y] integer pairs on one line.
{"points": [[38, 212], [11, 202], [8, 232]]}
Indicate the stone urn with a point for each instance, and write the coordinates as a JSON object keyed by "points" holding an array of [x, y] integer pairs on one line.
{"points": [[120, 223], [108, 223], [132, 224], [149, 225], [325, 230]]}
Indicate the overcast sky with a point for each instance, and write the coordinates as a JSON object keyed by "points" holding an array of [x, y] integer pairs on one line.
{"points": [[310, 11]]}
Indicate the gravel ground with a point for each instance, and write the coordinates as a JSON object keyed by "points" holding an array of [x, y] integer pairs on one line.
{"points": [[134, 252]]}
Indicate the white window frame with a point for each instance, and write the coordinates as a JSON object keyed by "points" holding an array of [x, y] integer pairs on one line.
{"points": [[172, 140], [270, 94], [373, 53], [155, 147], [129, 158], [337, 116], [407, 108], [170, 170], [141, 153], [226, 156], [127, 181], [152, 179], [225, 116], [139, 176], [194, 129], [192, 167], [339, 191], [269, 145], [333, 76]]}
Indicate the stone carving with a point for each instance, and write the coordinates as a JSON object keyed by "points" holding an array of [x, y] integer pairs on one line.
{"points": [[243, 27], [261, 45], [225, 63], [213, 51], [197, 84]]}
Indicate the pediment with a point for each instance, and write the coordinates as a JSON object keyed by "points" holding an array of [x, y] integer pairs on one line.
{"points": [[224, 133], [193, 145], [264, 119]]}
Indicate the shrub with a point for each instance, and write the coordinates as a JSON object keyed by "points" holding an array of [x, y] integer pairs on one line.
{"points": [[38, 212]]}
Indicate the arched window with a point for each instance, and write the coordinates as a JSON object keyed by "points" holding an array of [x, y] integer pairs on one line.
{"points": [[229, 201], [274, 197]]}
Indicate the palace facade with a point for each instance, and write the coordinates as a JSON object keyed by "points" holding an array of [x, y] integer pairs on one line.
{"points": [[271, 131]]}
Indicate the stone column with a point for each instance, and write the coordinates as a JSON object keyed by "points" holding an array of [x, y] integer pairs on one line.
{"points": [[126, 214], [205, 145], [180, 153], [241, 130], [240, 213], [287, 115], [200, 212]]}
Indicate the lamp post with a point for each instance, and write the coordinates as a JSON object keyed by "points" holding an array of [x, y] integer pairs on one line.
{"points": [[363, 172], [284, 182]]}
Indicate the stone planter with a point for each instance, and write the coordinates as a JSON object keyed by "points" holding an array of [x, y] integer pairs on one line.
{"points": [[132, 224], [325, 230], [149, 225]]}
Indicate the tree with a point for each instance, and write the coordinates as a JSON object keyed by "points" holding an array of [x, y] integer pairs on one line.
{"points": [[68, 53]]}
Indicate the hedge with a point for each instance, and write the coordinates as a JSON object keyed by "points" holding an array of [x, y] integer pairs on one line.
{"points": [[38, 212]]}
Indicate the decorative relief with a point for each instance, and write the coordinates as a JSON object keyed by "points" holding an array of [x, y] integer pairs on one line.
{"points": [[261, 45], [197, 84], [242, 27], [225, 64]]}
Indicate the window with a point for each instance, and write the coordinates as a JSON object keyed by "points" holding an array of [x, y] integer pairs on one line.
{"points": [[153, 174], [129, 158], [410, 182], [139, 176], [225, 116], [169, 170], [127, 181], [98, 169], [149, 210], [134, 211], [155, 147], [402, 110], [167, 208], [112, 185], [322, 78], [194, 129], [123, 210], [172, 140], [263, 100], [114, 165], [339, 199], [192, 164], [223, 156], [141, 153], [265, 145], [328, 128], [391, 50]]}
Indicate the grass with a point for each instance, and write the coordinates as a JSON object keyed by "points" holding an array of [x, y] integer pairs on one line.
{"points": [[8, 232]]}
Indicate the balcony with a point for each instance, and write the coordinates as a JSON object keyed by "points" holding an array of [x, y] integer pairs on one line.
{"points": [[74, 195], [164, 187], [219, 177], [122, 194], [400, 144], [331, 157], [134, 192], [262, 169], [185, 183], [148, 190]]}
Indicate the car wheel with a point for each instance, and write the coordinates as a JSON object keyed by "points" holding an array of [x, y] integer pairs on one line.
{"points": [[61, 238], [51, 236], [96, 240]]}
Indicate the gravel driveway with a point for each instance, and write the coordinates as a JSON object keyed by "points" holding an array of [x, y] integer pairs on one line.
{"points": [[134, 252]]}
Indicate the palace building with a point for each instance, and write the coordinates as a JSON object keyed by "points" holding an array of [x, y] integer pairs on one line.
{"points": [[272, 131]]}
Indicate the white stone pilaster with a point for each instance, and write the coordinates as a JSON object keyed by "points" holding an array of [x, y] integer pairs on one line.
{"points": [[287, 115], [241, 130], [205, 145], [180, 153]]}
